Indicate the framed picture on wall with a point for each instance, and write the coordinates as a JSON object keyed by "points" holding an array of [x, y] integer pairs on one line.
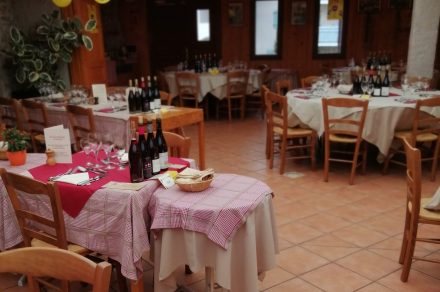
{"points": [[235, 13], [369, 6], [298, 14]]}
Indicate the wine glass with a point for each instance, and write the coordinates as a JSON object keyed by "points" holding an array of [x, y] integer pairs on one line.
{"points": [[112, 97], [107, 146], [370, 88], [364, 85], [405, 85], [85, 146], [95, 147], [120, 153]]}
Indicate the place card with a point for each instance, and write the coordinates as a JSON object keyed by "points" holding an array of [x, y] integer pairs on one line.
{"points": [[165, 179], [100, 91], [58, 139]]}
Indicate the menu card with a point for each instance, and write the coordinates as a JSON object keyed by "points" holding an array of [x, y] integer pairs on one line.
{"points": [[100, 91], [58, 139]]}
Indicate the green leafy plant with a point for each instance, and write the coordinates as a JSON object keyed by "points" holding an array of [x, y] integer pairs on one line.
{"points": [[17, 140], [36, 56]]}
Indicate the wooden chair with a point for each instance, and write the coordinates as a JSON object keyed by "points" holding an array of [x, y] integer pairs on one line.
{"points": [[415, 214], [82, 123], [188, 87], [236, 90], [36, 119], [345, 131], [269, 139], [255, 101], [282, 86], [178, 146], [28, 218], [56, 263], [425, 130], [278, 125], [308, 81], [10, 112], [165, 97]]}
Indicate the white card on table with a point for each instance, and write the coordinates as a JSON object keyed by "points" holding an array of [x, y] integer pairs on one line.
{"points": [[100, 91], [58, 139], [166, 180]]}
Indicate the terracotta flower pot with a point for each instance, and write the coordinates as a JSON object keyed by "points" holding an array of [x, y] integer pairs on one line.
{"points": [[17, 158]]}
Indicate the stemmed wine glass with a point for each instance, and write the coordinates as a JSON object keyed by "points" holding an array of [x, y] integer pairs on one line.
{"points": [[364, 85], [86, 147], [405, 85], [107, 146], [95, 147], [370, 88], [120, 152]]}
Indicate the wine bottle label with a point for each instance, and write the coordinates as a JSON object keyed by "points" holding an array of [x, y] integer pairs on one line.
{"points": [[163, 157], [152, 105], [376, 92], [385, 91], [158, 105], [148, 168], [156, 165]]}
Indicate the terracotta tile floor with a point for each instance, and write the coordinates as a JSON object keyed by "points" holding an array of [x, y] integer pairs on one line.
{"points": [[333, 236]]}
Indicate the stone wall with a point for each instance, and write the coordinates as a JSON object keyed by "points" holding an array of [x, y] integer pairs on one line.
{"points": [[5, 23]]}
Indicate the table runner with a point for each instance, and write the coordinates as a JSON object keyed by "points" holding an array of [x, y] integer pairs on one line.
{"points": [[73, 198], [218, 212]]}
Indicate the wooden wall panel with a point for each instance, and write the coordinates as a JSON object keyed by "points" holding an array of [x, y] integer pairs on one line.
{"points": [[389, 31]]}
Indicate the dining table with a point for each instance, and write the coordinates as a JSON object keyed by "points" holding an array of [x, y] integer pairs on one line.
{"points": [[213, 228], [385, 115]]}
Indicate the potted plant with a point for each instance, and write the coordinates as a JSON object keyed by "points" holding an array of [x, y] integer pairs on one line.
{"points": [[17, 142], [37, 55]]}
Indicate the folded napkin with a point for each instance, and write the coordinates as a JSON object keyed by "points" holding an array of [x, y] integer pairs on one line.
{"points": [[394, 94], [124, 186], [434, 204], [73, 178]]}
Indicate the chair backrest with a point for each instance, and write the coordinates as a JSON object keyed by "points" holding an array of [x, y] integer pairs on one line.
{"points": [[347, 126], [264, 91], [28, 218], [10, 112], [82, 122], [35, 116], [308, 81], [56, 263], [282, 86], [264, 73], [178, 146], [424, 123], [165, 97], [413, 178], [276, 111], [188, 85], [237, 83]]}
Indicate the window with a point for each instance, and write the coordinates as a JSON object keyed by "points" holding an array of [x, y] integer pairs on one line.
{"points": [[330, 27], [266, 30], [203, 25]]}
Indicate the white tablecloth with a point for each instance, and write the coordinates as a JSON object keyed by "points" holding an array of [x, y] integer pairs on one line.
{"points": [[385, 115], [214, 84], [251, 252]]}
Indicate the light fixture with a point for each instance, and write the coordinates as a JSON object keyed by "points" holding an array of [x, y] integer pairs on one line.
{"points": [[65, 3], [62, 3]]}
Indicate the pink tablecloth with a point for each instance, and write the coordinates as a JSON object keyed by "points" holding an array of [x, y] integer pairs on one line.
{"points": [[218, 212], [73, 198]]}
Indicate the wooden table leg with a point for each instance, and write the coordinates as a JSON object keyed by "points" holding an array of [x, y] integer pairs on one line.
{"points": [[137, 286], [201, 126]]}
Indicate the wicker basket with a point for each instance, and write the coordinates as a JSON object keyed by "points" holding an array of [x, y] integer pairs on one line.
{"points": [[194, 186]]}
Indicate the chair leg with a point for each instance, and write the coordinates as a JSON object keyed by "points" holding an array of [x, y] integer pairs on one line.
{"points": [[354, 164], [242, 103], [412, 234], [405, 238], [364, 157], [271, 149], [326, 158], [268, 141], [229, 109], [121, 279], [217, 109], [312, 151], [283, 154]]}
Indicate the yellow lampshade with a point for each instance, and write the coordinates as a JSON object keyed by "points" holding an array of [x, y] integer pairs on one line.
{"points": [[62, 3], [102, 1]]}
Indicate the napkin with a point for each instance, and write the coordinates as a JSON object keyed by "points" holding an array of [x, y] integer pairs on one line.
{"points": [[124, 186], [73, 178], [124, 158], [434, 204]]}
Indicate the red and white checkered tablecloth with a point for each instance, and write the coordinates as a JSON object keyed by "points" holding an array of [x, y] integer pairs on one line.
{"points": [[218, 212]]}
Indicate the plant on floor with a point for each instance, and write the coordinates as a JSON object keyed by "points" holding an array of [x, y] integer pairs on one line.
{"points": [[16, 140], [36, 56]]}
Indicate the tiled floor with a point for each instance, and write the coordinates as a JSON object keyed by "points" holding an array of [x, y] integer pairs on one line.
{"points": [[333, 236]]}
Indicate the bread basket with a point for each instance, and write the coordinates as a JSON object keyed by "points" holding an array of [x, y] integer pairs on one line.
{"points": [[191, 180]]}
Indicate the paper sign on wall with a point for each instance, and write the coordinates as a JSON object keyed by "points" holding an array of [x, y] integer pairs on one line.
{"points": [[58, 139], [100, 91]]}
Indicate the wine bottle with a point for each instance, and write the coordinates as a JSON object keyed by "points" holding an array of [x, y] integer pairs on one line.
{"points": [[203, 66], [152, 148], [145, 101], [161, 146], [134, 157], [142, 82], [151, 94], [147, 165], [385, 90], [377, 85], [196, 64], [131, 102], [157, 101]]}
